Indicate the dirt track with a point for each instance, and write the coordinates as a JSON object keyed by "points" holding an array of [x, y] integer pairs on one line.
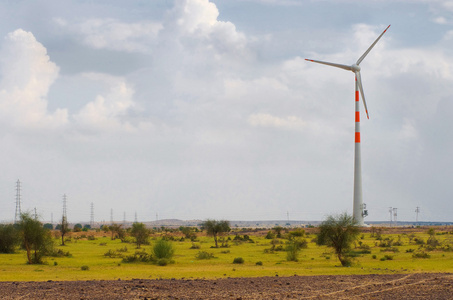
{"points": [[401, 286]]}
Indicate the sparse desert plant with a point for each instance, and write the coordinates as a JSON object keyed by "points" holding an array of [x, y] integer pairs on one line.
{"points": [[339, 232], [85, 268], [421, 255], [238, 260], [204, 255], [195, 246], [163, 249]]}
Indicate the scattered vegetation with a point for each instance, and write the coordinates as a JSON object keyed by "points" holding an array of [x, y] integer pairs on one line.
{"points": [[339, 232]]}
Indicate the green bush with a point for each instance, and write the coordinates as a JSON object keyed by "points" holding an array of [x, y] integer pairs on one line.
{"points": [[138, 256], [259, 263], [163, 249], [421, 255], [195, 246], [204, 255], [9, 238], [238, 260], [85, 268]]}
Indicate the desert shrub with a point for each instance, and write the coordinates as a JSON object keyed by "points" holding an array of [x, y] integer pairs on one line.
{"points": [[374, 256], [270, 235], [204, 255], [195, 246], [259, 263], [432, 241], [163, 249], [225, 251], [409, 250], [421, 255], [386, 257], [91, 238], [124, 249], [58, 253], [388, 242], [138, 256], [163, 262], [85, 268], [238, 260], [297, 233], [392, 249], [419, 241]]}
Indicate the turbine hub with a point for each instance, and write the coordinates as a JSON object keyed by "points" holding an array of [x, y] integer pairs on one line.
{"points": [[355, 68]]}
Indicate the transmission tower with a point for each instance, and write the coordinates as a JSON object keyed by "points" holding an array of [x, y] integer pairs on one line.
{"points": [[417, 211], [65, 217], [390, 212], [111, 216], [135, 219], [18, 210], [395, 215], [92, 216]]}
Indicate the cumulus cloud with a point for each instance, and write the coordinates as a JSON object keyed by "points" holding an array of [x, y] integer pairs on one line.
{"points": [[199, 19], [26, 76], [109, 111]]}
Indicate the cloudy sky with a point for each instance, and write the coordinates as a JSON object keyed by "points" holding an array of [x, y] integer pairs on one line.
{"points": [[196, 109]]}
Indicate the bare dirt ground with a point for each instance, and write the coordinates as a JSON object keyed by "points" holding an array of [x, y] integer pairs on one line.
{"points": [[399, 286]]}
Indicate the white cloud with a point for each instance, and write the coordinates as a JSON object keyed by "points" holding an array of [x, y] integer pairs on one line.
{"points": [[268, 120], [108, 111], [115, 35], [26, 76], [198, 19]]}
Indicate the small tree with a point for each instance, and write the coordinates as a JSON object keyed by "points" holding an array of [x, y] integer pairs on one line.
{"points": [[339, 232], [140, 233], [77, 227], [9, 238], [117, 231], [37, 240], [216, 228], [64, 228]]}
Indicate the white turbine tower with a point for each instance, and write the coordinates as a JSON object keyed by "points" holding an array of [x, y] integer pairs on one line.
{"points": [[358, 208]]}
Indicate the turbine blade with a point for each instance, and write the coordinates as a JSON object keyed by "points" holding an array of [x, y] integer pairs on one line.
{"points": [[359, 83], [371, 47], [345, 67]]}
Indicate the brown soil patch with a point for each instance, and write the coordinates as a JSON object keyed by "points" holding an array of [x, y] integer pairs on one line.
{"points": [[399, 286]]}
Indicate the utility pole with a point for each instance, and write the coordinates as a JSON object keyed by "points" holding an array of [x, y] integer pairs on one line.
{"points": [[51, 218], [18, 210], [111, 216], [135, 219], [36, 215], [124, 219], [395, 215]]}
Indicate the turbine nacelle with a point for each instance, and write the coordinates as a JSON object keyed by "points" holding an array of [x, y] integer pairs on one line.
{"points": [[355, 68]]}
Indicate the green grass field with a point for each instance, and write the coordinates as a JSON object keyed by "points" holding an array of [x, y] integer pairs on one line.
{"points": [[314, 260]]}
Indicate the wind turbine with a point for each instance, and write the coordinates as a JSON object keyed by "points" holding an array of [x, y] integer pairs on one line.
{"points": [[359, 211]]}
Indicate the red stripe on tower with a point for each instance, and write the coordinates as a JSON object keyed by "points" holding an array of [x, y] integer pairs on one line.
{"points": [[356, 95], [357, 116], [357, 137]]}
